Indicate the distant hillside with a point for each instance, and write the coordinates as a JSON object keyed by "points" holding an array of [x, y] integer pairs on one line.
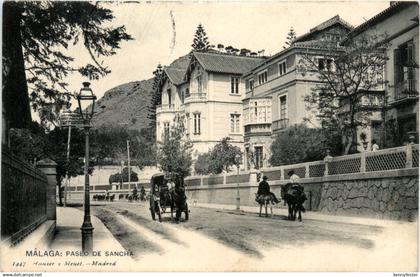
{"points": [[126, 104]]}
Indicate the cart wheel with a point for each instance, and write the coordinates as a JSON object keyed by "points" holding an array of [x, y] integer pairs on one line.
{"points": [[187, 212]]}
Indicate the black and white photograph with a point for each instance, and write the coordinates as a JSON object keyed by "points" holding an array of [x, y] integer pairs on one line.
{"points": [[210, 136]]}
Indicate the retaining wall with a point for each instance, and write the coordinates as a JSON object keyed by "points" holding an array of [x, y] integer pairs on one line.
{"points": [[391, 194]]}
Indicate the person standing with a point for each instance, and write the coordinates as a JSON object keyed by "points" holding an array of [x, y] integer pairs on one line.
{"points": [[375, 146]]}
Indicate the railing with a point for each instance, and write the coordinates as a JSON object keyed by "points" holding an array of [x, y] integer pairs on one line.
{"points": [[258, 128], [196, 96], [167, 108], [280, 124], [382, 160], [406, 89], [23, 198]]}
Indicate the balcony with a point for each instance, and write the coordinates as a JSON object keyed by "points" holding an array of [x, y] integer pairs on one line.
{"points": [[195, 97], [280, 124], [406, 89], [258, 130], [167, 108]]}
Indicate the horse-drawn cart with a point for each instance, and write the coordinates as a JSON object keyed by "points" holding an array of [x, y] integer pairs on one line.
{"points": [[163, 199]]}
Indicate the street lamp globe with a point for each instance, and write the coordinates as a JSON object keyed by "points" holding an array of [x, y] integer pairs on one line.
{"points": [[86, 96]]}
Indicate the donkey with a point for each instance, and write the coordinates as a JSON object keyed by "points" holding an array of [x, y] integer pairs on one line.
{"points": [[265, 200], [294, 197]]}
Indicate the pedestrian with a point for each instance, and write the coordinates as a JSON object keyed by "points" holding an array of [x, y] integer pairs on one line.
{"points": [[375, 147], [264, 189]]}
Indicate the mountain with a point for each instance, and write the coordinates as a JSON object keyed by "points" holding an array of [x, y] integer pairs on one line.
{"points": [[127, 104]]}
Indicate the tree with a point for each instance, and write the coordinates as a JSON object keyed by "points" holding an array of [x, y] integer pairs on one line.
{"points": [[298, 144], [174, 154], [202, 164], [111, 143], [156, 98], [56, 150], [291, 37], [117, 177], [36, 37], [200, 42], [222, 156], [29, 144], [351, 78]]}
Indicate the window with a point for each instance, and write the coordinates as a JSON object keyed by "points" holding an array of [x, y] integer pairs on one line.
{"points": [[262, 78], [404, 68], [169, 96], [188, 128], [283, 107], [282, 68], [259, 157], [256, 108], [182, 96], [199, 84], [197, 123], [234, 85], [166, 128], [325, 64], [249, 84], [234, 123], [187, 92]]}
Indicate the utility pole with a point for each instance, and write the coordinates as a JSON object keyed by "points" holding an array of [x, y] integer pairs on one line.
{"points": [[128, 161], [68, 164]]}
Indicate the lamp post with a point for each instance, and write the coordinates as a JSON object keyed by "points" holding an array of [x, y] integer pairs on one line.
{"points": [[86, 96], [238, 198]]}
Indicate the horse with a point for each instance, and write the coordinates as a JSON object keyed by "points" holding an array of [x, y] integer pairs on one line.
{"points": [[179, 200], [294, 197], [265, 200]]}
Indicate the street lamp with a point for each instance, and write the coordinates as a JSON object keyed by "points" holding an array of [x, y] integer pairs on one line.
{"points": [[86, 96], [238, 198]]}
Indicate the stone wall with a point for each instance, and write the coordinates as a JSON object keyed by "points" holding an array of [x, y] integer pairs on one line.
{"points": [[393, 198], [389, 194]]}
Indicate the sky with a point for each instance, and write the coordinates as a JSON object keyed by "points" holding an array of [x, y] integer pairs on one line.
{"points": [[255, 25]]}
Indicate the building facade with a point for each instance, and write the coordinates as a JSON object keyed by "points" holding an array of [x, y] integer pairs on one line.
{"points": [[275, 90], [399, 25], [208, 96]]}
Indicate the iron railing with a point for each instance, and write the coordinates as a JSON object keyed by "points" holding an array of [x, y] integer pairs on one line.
{"points": [[23, 198], [382, 160], [406, 89]]}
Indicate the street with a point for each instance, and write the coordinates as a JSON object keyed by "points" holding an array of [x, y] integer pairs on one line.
{"points": [[222, 240]]}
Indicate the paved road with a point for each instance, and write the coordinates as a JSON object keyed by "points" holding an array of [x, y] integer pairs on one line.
{"points": [[219, 239]]}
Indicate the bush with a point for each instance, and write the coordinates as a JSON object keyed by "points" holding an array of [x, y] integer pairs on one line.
{"points": [[202, 163], [116, 178], [222, 156], [298, 144]]}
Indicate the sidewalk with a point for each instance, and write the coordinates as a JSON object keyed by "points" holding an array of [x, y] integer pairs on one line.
{"points": [[69, 236], [281, 210]]}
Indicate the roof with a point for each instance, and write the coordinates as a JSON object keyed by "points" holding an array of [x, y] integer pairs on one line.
{"points": [[324, 25], [175, 75], [226, 63], [392, 9]]}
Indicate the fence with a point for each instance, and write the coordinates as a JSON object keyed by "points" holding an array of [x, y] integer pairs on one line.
{"points": [[23, 198], [382, 160]]}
